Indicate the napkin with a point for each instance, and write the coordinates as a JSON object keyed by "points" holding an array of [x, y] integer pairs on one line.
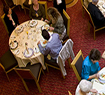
{"points": [[59, 2], [17, 51]]}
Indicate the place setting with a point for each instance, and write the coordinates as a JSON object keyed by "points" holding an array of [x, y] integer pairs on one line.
{"points": [[28, 52], [19, 29], [33, 23]]}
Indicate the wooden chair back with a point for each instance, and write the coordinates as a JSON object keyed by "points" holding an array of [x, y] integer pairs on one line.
{"points": [[77, 65], [66, 19], [30, 72], [2, 18], [8, 62]]}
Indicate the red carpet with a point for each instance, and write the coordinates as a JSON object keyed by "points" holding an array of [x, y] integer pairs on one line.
{"points": [[52, 83]]}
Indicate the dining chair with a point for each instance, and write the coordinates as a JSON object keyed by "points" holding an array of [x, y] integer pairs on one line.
{"points": [[77, 64], [30, 72], [8, 62], [27, 6], [65, 54], [66, 19], [83, 7], [2, 18], [91, 23]]}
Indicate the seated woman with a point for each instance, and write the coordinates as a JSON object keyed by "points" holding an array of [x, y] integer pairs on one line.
{"points": [[84, 88], [10, 19], [56, 21], [90, 65], [37, 11]]}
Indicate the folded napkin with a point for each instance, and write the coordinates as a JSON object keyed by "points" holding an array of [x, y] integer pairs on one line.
{"points": [[59, 2]]}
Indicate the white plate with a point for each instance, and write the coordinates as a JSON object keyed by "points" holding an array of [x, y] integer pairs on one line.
{"points": [[41, 42], [13, 45], [102, 76], [103, 5], [45, 27], [33, 23], [31, 52], [19, 29]]}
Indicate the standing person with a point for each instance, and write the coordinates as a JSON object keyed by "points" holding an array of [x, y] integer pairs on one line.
{"points": [[84, 88], [37, 11], [90, 65], [97, 16], [56, 21], [53, 46], [60, 5], [10, 19]]}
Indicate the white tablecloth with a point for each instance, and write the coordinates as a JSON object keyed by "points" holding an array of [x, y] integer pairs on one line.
{"points": [[32, 38]]}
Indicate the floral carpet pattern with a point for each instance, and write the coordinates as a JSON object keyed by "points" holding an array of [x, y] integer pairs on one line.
{"points": [[52, 82]]}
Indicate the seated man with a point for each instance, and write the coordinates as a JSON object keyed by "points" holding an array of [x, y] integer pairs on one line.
{"points": [[86, 2], [53, 46], [97, 16]]}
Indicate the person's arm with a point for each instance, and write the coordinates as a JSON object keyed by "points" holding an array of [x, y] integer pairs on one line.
{"points": [[15, 18], [99, 16], [44, 50], [30, 12], [92, 76]]}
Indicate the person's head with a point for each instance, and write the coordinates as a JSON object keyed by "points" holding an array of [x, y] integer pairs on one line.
{"points": [[85, 86], [7, 10], [45, 34], [53, 13], [94, 55], [35, 2], [95, 1]]}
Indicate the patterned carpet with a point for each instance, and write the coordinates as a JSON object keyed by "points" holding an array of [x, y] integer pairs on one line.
{"points": [[52, 82]]}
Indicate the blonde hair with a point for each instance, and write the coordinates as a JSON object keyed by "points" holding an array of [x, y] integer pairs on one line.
{"points": [[85, 86]]}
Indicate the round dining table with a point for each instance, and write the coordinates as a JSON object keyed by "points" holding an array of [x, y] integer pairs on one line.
{"points": [[23, 42]]}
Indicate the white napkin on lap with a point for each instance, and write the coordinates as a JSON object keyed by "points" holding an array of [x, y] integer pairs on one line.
{"points": [[59, 2]]}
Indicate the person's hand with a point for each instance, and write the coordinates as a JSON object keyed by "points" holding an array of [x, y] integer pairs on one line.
{"points": [[46, 21], [51, 28], [94, 91], [38, 43], [42, 19]]}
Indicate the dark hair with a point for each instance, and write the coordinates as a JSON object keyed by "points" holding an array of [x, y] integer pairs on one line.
{"points": [[6, 9], [45, 34], [94, 54]]}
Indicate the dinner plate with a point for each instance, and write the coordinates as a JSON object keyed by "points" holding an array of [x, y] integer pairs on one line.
{"points": [[43, 43], [45, 27], [103, 5], [33, 23], [102, 76], [13, 45], [26, 54], [19, 29]]}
